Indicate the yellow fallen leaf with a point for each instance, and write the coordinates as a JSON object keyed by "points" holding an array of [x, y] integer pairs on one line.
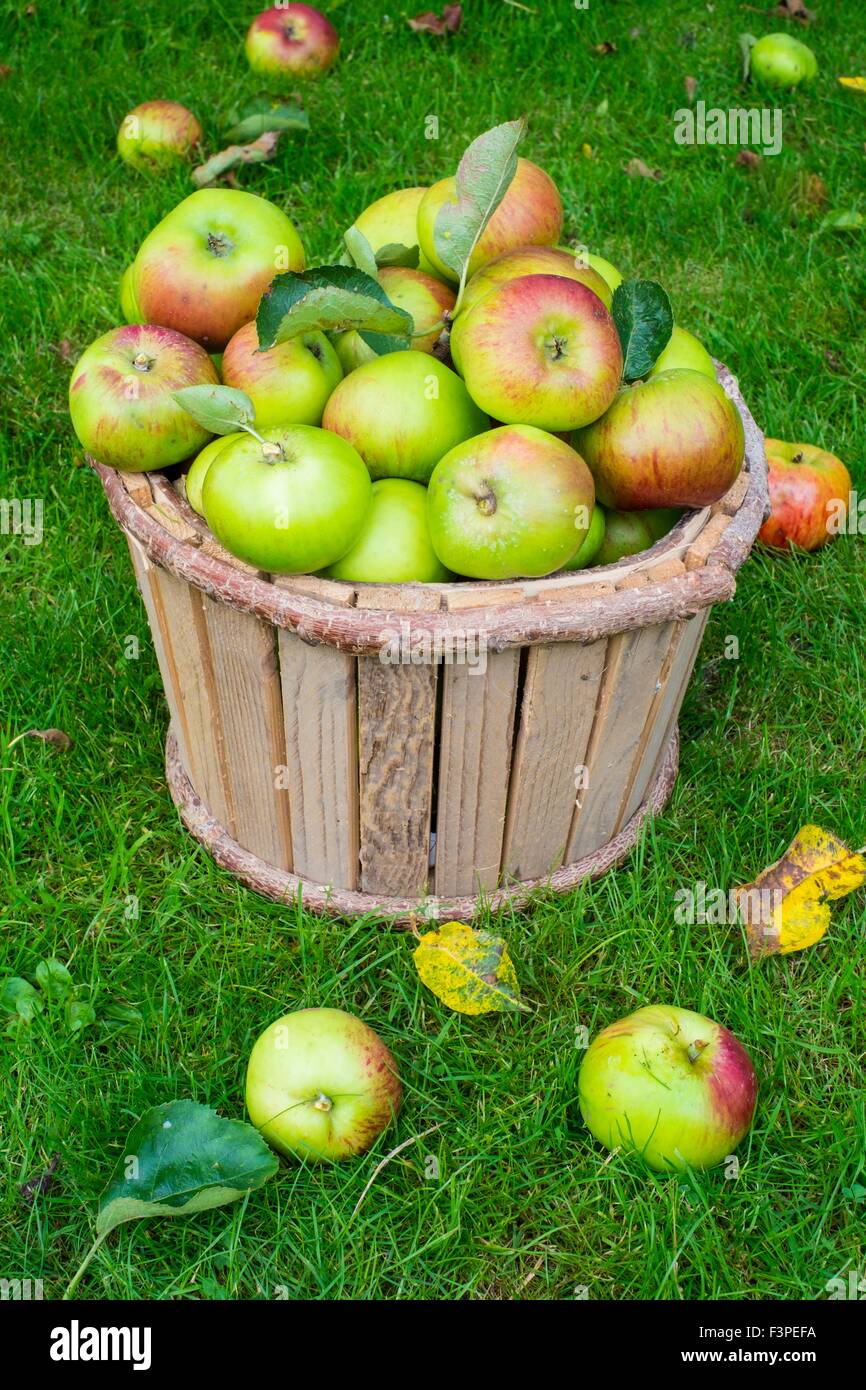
{"points": [[586, 150], [856, 84], [786, 908], [470, 971]]}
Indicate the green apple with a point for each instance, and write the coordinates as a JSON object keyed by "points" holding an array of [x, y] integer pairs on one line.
{"points": [[780, 60], [541, 350], [393, 221], [670, 1084], [289, 41], [394, 546], [532, 260], [197, 472], [291, 504], [321, 1085], [204, 268], [625, 533], [591, 543], [128, 302], [421, 295], [684, 350], [402, 412], [609, 273], [513, 502], [530, 214], [121, 397], [290, 383], [661, 520], [157, 135], [675, 440]]}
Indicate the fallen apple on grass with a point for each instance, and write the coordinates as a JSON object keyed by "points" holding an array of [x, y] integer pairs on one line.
{"points": [[421, 295], [290, 383], [511, 502], [807, 486], [290, 41], [121, 397], [669, 1084], [321, 1085], [204, 268], [157, 135], [780, 60], [394, 546]]}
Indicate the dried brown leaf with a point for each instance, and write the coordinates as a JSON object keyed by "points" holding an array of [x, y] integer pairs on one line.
{"points": [[605, 48], [792, 9], [220, 165], [40, 1182], [637, 169], [749, 159], [691, 86], [431, 23], [55, 737]]}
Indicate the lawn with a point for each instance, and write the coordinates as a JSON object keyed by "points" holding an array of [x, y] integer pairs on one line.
{"points": [[182, 966]]}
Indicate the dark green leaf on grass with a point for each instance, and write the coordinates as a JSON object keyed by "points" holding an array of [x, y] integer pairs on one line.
{"points": [[483, 177], [220, 409], [262, 115], [181, 1158], [332, 298], [397, 254], [844, 220], [53, 979], [18, 997], [644, 321]]}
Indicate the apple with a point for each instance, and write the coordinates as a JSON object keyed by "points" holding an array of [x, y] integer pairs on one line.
{"points": [[290, 383], [805, 483], [421, 295], [291, 41], [591, 543], [321, 1085], [661, 520], [128, 302], [393, 221], [394, 546], [403, 412], [670, 1084], [121, 397], [197, 472], [674, 440], [541, 350], [625, 534], [780, 60], [607, 271], [683, 350], [532, 260], [157, 135], [290, 502], [204, 268], [512, 502], [530, 214]]}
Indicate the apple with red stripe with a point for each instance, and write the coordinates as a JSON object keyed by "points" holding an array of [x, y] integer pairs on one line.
{"points": [[808, 487], [670, 1084], [157, 135], [290, 41]]}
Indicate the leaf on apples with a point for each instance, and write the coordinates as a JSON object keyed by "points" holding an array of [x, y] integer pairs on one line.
{"points": [[397, 254], [360, 251], [470, 971], [644, 321], [483, 177], [785, 909], [181, 1158], [332, 298], [262, 115], [219, 409]]}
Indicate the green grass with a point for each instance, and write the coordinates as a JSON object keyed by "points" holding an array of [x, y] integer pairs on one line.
{"points": [[526, 1205]]}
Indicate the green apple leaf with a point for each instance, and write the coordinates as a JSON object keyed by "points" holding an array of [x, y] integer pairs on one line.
{"points": [[469, 970], [220, 409], [53, 979], [383, 343], [331, 298], [483, 176], [263, 115], [360, 251], [397, 254], [644, 321]]}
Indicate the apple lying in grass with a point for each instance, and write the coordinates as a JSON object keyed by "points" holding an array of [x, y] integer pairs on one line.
{"points": [[393, 221], [780, 60], [157, 135], [198, 469], [121, 397], [530, 214], [289, 502], [204, 268], [290, 383], [532, 260], [421, 295], [674, 440], [684, 350], [402, 412], [808, 487], [591, 544], [394, 546], [541, 350], [672, 1085], [291, 41], [514, 501], [321, 1085]]}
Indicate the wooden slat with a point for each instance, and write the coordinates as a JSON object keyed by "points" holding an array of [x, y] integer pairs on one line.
{"points": [[474, 761], [320, 715], [556, 717], [633, 665]]}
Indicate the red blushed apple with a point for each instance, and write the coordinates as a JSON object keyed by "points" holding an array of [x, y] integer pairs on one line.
{"points": [[533, 260], [290, 41], [540, 350], [421, 295], [530, 214], [157, 134], [807, 486], [290, 383], [674, 440]]}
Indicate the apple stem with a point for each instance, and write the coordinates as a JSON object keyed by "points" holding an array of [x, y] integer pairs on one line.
{"points": [[323, 1103], [271, 451], [798, 458], [695, 1049]]}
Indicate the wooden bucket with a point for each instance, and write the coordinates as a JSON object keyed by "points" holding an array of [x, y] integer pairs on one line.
{"points": [[413, 749]]}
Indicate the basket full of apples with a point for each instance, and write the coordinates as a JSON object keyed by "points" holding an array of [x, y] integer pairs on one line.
{"points": [[427, 536]]}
